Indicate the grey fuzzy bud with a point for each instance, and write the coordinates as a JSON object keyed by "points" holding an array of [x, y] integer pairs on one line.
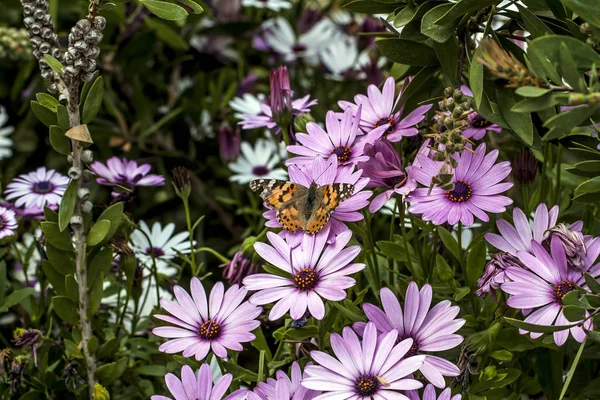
{"points": [[35, 29], [87, 156], [47, 33], [27, 9], [45, 48], [46, 74], [76, 220], [92, 52], [53, 88], [87, 207], [70, 70], [93, 37], [83, 193], [68, 59], [73, 52], [79, 63], [99, 23], [74, 173], [28, 22], [70, 159], [39, 14]]}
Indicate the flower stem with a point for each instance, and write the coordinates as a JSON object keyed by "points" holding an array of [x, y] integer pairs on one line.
{"points": [[404, 238], [186, 206], [572, 370]]}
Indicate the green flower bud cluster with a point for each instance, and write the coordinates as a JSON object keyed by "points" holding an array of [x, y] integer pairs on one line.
{"points": [[592, 41], [14, 44]]}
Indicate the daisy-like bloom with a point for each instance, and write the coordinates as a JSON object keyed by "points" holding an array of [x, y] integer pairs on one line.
{"points": [[429, 394], [5, 141], [384, 169], [162, 241], [378, 110], [222, 322], [37, 189], [125, 173], [273, 5], [264, 119], [192, 387], [247, 105], [541, 287], [281, 38], [431, 330], [477, 188], [316, 271], [259, 162], [374, 369], [342, 59], [341, 139], [8, 222], [324, 172], [518, 237]]}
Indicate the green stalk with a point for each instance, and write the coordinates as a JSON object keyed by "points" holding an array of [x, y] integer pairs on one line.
{"points": [[188, 219], [404, 238], [572, 370]]}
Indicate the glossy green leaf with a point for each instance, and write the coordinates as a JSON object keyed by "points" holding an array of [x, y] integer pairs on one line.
{"points": [[16, 297], [165, 10], [56, 279], [53, 63], [561, 124], [461, 292], [586, 9], [113, 214], [50, 215], [448, 54], [72, 288], [449, 242], [44, 114], [62, 261], [66, 309], [109, 373], [533, 24], [98, 232], [67, 205], [96, 293], [476, 78], [536, 328], [47, 101], [195, 7], [93, 101], [475, 264], [100, 264], [407, 52], [538, 103], [520, 123], [549, 46], [60, 239], [502, 355], [166, 34], [439, 33], [393, 250], [592, 283], [63, 117], [531, 91], [443, 269], [60, 143], [461, 8]]}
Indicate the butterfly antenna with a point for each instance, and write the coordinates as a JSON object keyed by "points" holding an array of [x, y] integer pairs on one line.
{"points": [[315, 179]]}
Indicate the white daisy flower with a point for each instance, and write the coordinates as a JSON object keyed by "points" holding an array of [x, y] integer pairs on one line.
{"points": [[259, 162], [165, 245], [248, 104], [5, 141], [273, 5], [280, 37], [341, 58]]}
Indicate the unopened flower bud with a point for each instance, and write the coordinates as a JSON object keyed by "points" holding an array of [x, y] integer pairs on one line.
{"points": [[87, 156], [100, 392], [524, 167], [457, 95], [448, 92], [181, 182], [458, 111], [83, 193], [87, 207], [301, 120], [84, 24], [76, 220], [74, 173]]}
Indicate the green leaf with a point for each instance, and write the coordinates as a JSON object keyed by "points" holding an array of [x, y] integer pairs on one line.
{"points": [[463, 7], [549, 46], [595, 336], [2, 280], [166, 34], [562, 123], [66, 309], [448, 53], [98, 232], [392, 250], [531, 91], [439, 33], [114, 214], [260, 343], [56, 279], [71, 288], [443, 269], [520, 123], [60, 143], [569, 69], [461, 292], [196, 8], [16, 297], [537, 328], [240, 373], [476, 78], [369, 7], [593, 300], [60, 239], [47, 101], [93, 101], [67, 205], [96, 294], [50, 215], [87, 86], [349, 310], [109, 373], [571, 298], [538, 103], [586, 9], [62, 261], [63, 117], [165, 10], [44, 114], [533, 24], [592, 283], [574, 313], [572, 369], [53, 63], [405, 15], [100, 264], [502, 355], [450, 242], [408, 52], [475, 264], [152, 370]]}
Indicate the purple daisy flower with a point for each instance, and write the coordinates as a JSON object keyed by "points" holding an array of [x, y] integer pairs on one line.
{"points": [[324, 172], [192, 387], [518, 237], [341, 139], [125, 173], [378, 110], [431, 330], [541, 287], [37, 189], [316, 270], [223, 322], [429, 394], [384, 169], [8, 222], [265, 118], [374, 369], [477, 126], [477, 188]]}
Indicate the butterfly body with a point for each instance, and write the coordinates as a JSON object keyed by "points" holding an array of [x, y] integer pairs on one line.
{"points": [[301, 207]]}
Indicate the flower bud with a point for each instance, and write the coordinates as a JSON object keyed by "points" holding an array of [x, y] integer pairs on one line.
{"points": [[100, 393], [181, 182], [76, 220], [74, 173], [83, 193], [457, 95], [524, 167], [87, 207]]}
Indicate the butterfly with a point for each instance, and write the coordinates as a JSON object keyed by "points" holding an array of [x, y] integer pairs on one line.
{"points": [[307, 208]]}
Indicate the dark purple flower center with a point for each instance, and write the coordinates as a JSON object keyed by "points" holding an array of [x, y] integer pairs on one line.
{"points": [[461, 192], [298, 48], [2, 222], [386, 120], [413, 351], [43, 187], [343, 153], [367, 385], [209, 330], [158, 252], [260, 170], [306, 279], [562, 289], [480, 122]]}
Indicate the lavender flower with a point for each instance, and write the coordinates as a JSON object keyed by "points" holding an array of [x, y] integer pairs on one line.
{"points": [[316, 270], [192, 387], [494, 274], [8, 222], [430, 330], [477, 188], [429, 394], [374, 369], [265, 118], [238, 268], [541, 287], [37, 189], [125, 173], [223, 322], [341, 139], [378, 110], [477, 126], [229, 143]]}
